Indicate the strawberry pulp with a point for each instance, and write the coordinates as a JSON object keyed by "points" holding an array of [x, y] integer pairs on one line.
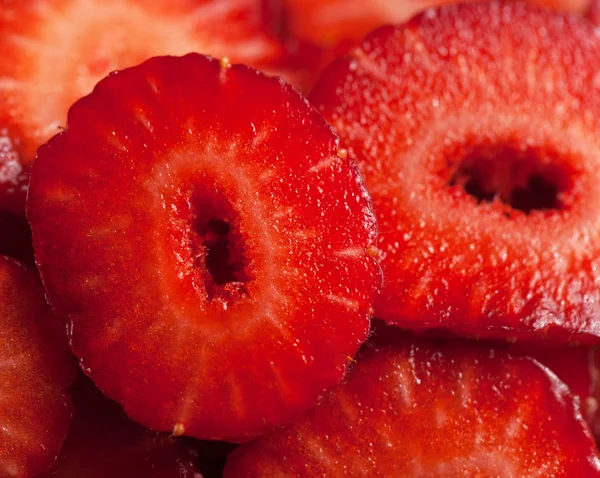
{"points": [[35, 373], [483, 178], [55, 51], [428, 408], [210, 244]]}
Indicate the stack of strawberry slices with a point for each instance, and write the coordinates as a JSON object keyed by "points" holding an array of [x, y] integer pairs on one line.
{"points": [[204, 273]]}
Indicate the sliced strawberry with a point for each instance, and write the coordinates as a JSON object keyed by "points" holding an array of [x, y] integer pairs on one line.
{"points": [[483, 168], [432, 409], [102, 442], [576, 367], [593, 12], [55, 51], [300, 64], [209, 242], [327, 22], [35, 372]]}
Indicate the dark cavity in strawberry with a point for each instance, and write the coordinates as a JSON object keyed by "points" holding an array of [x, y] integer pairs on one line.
{"points": [[523, 180], [218, 242], [482, 161], [210, 243]]}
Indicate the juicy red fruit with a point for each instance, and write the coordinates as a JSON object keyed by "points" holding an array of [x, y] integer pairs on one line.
{"points": [[483, 168], [426, 409], [35, 373], [102, 442], [55, 51], [209, 243]]}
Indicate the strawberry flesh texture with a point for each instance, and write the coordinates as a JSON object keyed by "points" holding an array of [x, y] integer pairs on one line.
{"points": [[35, 373], [55, 51], [167, 169], [419, 408], [329, 22], [593, 12], [483, 178], [103, 442], [576, 367]]}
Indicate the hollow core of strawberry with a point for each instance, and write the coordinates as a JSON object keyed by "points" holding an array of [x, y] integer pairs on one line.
{"points": [[219, 244], [524, 179]]}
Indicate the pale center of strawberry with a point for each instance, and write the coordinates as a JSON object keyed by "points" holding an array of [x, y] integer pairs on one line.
{"points": [[219, 244], [526, 180]]}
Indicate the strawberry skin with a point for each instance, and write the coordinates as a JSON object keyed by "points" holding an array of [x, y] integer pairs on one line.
{"points": [[209, 243], [429, 409], [102, 442], [35, 373], [481, 161], [55, 51]]}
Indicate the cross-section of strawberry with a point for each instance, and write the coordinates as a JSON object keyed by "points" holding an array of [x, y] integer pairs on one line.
{"points": [[483, 164], [102, 442], [430, 409], [35, 373], [210, 244], [55, 51]]}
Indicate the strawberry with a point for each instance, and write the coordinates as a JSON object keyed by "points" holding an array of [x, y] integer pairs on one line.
{"points": [[327, 22], [55, 51], [482, 166], [209, 243], [423, 408], [35, 373], [593, 12], [102, 442], [576, 367]]}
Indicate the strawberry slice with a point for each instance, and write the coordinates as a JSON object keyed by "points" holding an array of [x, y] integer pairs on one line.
{"points": [[328, 22], [102, 442], [593, 12], [429, 409], [210, 244], [55, 51], [479, 160], [35, 373], [576, 367]]}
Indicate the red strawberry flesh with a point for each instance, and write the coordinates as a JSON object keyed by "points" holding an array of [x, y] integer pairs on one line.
{"points": [[102, 442], [481, 164], [209, 244], [35, 373], [427, 409], [55, 51]]}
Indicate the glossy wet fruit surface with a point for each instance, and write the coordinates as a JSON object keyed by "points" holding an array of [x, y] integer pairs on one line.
{"points": [[422, 408], [55, 51], [211, 246], [481, 164], [35, 373]]}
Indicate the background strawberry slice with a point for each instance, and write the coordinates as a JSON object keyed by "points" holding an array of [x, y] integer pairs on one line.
{"points": [[102, 442], [328, 22], [429, 408], [483, 178], [35, 373], [55, 51], [209, 242]]}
